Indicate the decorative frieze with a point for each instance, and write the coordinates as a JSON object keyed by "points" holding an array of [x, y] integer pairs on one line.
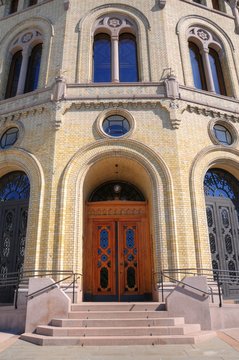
{"points": [[212, 113]]}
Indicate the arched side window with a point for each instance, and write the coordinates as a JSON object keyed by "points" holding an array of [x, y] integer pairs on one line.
{"points": [[205, 54], [33, 69], [197, 67], [13, 6], [14, 74], [128, 63], [115, 50], [102, 58], [24, 70]]}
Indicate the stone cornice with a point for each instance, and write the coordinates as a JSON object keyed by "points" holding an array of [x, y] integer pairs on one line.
{"points": [[213, 113]]}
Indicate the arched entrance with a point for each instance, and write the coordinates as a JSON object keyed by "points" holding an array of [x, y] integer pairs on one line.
{"points": [[117, 256], [14, 199], [222, 206]]}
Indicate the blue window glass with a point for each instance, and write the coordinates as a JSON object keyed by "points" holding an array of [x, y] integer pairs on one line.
{"points": [[128, 64], [33, 69], [220, 183], [197, 67], [14, 74], [216, 71], [102, 58], [116, 125], [14, 186]]}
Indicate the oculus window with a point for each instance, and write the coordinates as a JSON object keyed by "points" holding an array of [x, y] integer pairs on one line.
{"points": [[116, 126], [222, 134], [9, 138]]}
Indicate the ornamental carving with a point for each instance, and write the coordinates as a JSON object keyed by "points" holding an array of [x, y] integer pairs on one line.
{"points": [[203, 34], [114, 22], [118, 211], [27, 37]]}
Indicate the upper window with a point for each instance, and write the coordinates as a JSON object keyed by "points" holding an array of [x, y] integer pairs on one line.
{"points": [[25, 64], [115, 50], [222, 134], [13, 6], [116, 125], [205, 55]]}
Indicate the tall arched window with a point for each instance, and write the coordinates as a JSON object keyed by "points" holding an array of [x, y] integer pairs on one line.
{"points": [[197, 67], [205, 52], [13, 6], [216, 70], [33, 69], [115, 50], [25, 64], [128, 63], [14, 74], [102, 58]]}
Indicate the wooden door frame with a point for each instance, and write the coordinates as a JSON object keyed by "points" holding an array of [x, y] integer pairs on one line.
{"points": [[115, 211]]}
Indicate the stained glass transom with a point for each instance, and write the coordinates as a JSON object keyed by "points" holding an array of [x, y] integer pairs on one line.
{"points": [[116, 191], [14, 186]]}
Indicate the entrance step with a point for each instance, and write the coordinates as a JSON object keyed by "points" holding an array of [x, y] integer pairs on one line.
{"points": [[117, 324]]}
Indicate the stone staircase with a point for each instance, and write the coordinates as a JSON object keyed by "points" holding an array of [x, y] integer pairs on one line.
{"points": [[117, 324]]}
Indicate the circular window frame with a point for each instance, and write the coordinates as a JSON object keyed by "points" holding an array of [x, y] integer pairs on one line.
{"points": [[118, 112], [20, 135], [228, 127]]}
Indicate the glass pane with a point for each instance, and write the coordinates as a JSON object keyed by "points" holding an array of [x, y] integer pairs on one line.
{"points": [[216, 71], [128, 63], [197, 67], [14, 186], [102, 58], [116, 125], [14, 74], [222, 134], [116, 190], [9, 138], [33, 69]]}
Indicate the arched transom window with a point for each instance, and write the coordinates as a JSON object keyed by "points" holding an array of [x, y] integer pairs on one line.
{"points": [[115, 50], [23, 75], [206, 54]]}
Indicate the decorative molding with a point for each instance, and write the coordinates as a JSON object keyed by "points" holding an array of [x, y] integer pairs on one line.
{"points": [[116, 211], [175, 110], [15, 116], [212, 113]]}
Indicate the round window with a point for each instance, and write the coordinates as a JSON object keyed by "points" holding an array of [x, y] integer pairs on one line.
{"points": [[116, 125], [222, 134], [9, 137]]}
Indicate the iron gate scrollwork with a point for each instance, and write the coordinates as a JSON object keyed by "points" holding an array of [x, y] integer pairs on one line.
{"points": [[222, 209], [14, 198]]}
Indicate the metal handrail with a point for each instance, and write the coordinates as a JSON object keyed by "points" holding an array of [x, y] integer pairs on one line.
{"points": [[219, 276], [15, 279]]}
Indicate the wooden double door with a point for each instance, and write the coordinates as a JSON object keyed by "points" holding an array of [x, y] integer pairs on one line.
{"points": [[117, 257]]}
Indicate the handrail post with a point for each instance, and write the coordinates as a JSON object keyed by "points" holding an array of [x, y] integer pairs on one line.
{"points": [[74, 279], [17, 288], [219, 290], [162, 286]]}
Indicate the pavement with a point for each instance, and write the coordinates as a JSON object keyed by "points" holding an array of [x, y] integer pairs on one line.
{"points": [[225, 346]]}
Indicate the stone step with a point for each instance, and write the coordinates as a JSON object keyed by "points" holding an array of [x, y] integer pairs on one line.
{"points": [[118, 306], [117, 340], [116, 314], [117, 331], [135, 322]]}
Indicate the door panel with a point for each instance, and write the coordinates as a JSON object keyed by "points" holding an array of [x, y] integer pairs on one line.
{"points": [[223, 238], [104, 258]]}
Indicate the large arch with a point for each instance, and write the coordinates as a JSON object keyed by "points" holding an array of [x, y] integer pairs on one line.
{"points": [[211, 157], [20, 160], [77, 183]]}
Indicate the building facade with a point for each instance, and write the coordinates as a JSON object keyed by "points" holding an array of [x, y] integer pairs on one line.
{"points": [[119, 140]]}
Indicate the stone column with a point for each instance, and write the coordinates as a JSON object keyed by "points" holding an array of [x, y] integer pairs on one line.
{"points": [[115, 58], [207, 70], [23, 71]]}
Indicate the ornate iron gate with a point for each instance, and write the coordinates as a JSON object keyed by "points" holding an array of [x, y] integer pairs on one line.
{"points": [[14, 196], [223, 226]]}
